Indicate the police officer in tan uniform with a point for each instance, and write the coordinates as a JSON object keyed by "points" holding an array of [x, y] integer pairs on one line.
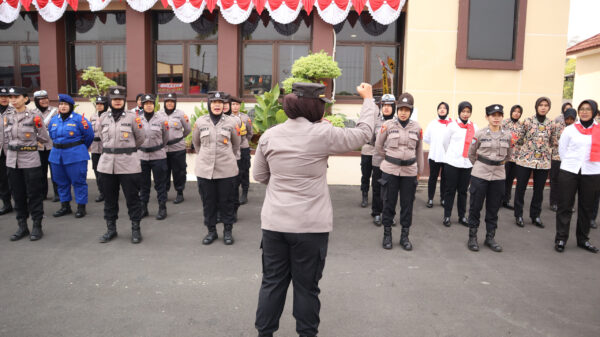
{"points": [[96, 147], [4, 186], [387, 112], [153, 154], [244, 162], [42, 103], [491, 148], [179, 128], [216, 139], [400, 142], [23, 130], [121, 134]]}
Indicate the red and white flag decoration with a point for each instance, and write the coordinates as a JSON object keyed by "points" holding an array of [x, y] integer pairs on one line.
{"points": [[283, 11], [236, 11], [98, 5], [188, 11], [333, 11], [9, 10], [51, 10], [385, 11], [141, 5]]}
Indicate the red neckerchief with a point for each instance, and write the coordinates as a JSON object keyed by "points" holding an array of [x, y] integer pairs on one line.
{"points": [[445, 121], [594, 131], [468, 137]]}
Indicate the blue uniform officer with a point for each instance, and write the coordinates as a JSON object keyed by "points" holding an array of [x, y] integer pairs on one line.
{"points": [[71, 134]]}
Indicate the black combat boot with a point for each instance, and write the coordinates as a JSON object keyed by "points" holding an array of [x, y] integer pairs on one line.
{"points": [[365, 199], [80, 211], [211, 236], [387, 237], [472, 244], [429, 204], [519, 221], [65, 208], [36, 231], [244, 197], [227, 236], [111, 231], [7, 208], [144, 209], [404, 242], [446, 222], [377, 220], [162, 211], [178, 198], [99, 198], [22, 232], [136, 233], [490, 242], [538, 222]]}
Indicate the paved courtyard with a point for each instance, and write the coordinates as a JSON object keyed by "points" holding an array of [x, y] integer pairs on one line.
{"points": [[68, 284]]}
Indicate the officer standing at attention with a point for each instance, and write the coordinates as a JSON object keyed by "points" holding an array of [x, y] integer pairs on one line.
{"points": [[216, 139], [491, 148], [235, 196], [121, 133], [400, 142], [23, 130], [96, 147], [72, 135], [139, 108], [4, 186], [153, 154], [387, 111], [513, 125], [434, 136], [42, 103], [244, 161], [179, 128], [366, 169]]}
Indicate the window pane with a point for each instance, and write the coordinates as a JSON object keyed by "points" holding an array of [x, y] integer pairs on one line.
{"points": [[7, 66], [30, 67], [85, 56], [203, 68], [98, 26], [298, 30], [365, 29], [258, 62], [384, 54], [288, 53], [114, 63], [22, 29], [170, 28], [492, 26], [352, 61], [169, 69]]}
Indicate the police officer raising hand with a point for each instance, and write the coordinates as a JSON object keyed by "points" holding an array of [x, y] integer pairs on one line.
{"points": [[365, 90]]}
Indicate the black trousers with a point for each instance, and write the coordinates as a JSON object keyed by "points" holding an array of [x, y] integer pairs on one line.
{"points": [[554, 190], [491, 192], [366, 167], [596, 206], [177, 167], [45, 165], [95, 160], [26, 189], [4, 186], [539, 180], [216, 195], [131, 189], [296, 257], [457, 181], [511, 174], [435, 169], [244, 168], [377, 204], [391, 186], [587, 187], [158, 169]]}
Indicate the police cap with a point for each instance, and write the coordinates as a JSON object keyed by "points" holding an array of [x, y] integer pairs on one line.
{"points": [[310, 90]]}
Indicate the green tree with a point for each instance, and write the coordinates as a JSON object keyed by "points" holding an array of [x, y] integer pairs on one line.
{"points": [[98, 83], [312, 68], [569, 81]]}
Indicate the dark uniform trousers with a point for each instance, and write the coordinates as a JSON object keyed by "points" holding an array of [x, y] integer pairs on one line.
{"points": [[95, 159], [596, 206], [457, 180], [45, 164], [296, 257], [377, 204], [539, 180], [491, 192], [435, 169], [391, 185], [366, 167], [158, 169], [216, 195], [177, 167], [244, 168], [131, 188], [586, 187], [26, 189], [511, 173], [554, 190], [4, 186]]}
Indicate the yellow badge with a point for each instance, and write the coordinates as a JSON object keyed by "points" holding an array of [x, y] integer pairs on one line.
{"points": [[225, 141], [538, 155], [541, 128], [71, 133], [27, 135], [125, 134], [174, 123]]}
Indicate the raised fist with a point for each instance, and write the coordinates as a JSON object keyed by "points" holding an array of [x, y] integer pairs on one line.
{"points": [[365, 90]]}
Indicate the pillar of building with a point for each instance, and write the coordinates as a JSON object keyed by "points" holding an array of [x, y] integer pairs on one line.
{"points": [[53, 58], [139, 54], [228, 51]]}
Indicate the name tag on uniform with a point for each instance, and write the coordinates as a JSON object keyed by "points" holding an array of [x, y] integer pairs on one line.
{"points": [[53, 125], [393, 131], [126, 124], [203, 129], [71, 124]]}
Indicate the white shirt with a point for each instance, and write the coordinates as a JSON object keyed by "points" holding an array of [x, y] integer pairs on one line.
{"points": [[574, 150], [454, 143], [434, 136]]}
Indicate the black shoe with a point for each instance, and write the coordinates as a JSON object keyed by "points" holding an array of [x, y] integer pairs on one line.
{"points": [[593, 224], [446, 222], [588, 246], [56, 198], [490, 242], [554, 208], [429, 204], [144, 209], [210, 237], [404, 241], [227, 235], [178, 198], [244, 198], [7, 208], [472, 243], [365, 199], [80, 211], [443, 203], [519, 221], [377, 220], [559, 246], [99, 198], [538, 222], [506, 205], [111, 231], [65, 209], [136, 233], [36, 231], [387, 238], [463, 221], [162, 212], [22, 232]]}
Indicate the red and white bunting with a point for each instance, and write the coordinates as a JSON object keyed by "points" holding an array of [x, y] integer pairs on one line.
{"points": [[51, 10], [9, 10], [98, 5], [141, 5]]}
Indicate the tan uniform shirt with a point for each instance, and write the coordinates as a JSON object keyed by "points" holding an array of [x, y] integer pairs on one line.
{"points": [[125, 133], [46, 116], [245, 131], [367, 150], [490, 145], [537, 140], [20, 130], [291, 159], [402, 143], [3, 139], [377, 158], [216, 146], [179, 128], [157, 134], [559, 126], [96, 146], [515, 130]]}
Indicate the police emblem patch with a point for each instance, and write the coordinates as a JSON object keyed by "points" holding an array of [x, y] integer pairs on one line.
{"points": [[125, 134], [71, 133]]}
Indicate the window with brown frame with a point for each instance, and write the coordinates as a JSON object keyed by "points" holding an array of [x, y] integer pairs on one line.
{"points": [[270, 49], [186, 54], [367, 51], [491, 34], [19, 53]]}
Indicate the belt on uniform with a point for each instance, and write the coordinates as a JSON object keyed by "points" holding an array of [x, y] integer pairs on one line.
{"points": [[152, 149], [174, 141], [97, 139], [401, 162], [489, 161], [26, 148], [67, 145], [126, 150]]}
